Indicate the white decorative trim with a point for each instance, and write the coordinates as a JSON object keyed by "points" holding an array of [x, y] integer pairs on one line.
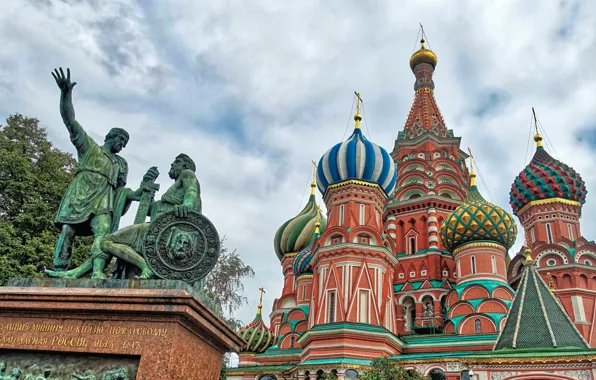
{"points": [[434, 239], [433, 229], [554, 252]]}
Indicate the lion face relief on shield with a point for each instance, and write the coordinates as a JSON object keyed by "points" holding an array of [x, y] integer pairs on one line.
{"points": [[181, 244]]}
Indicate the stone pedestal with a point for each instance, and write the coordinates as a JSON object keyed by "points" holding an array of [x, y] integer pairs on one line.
{"points": [[148, 329]]}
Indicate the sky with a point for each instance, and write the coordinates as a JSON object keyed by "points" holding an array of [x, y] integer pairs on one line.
{"points": [[255, 90]]}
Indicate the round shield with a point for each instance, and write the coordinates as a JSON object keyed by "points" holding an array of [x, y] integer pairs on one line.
{"points": [[181, 248]]}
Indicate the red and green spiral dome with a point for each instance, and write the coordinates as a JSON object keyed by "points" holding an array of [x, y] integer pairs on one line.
{"points": [[546, 178]]}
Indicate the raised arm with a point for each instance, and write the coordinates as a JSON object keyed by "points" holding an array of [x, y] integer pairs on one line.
{"points": [[192, 190], [192, 194], [66, 108]]}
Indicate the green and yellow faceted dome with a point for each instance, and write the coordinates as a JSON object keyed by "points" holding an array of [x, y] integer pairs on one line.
{"points": [[257, 336], [478, 220], [299, 232]]}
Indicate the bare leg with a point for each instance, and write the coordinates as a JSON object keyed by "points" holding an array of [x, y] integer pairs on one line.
{"points": [[77, 272], [64, 248], [119, 244], [101, 226]]}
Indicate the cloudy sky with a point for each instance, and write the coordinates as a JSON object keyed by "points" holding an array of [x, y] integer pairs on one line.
{"points": [[255, 90]]}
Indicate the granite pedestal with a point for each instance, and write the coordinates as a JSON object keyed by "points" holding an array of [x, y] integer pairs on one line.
{"points": [[91, 329]]}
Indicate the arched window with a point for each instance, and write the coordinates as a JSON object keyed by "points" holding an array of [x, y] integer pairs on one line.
{"points": [[570, 231], [493, 262], [351, 375], [268, 377], [292, 340], [549, 233], [477, 326], [532, 235], [436, 374], [331, 307], [458, 269], [341, 215], [320, 375], [361, 215], [412, 241], [363, 317], [473, 265]]}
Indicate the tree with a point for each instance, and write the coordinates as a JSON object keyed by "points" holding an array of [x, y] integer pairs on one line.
{"points": [[385, 368], [33, 177], [224, 284]]}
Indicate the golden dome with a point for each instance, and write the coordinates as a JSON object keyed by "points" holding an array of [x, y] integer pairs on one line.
{"points": [[423, 55]]}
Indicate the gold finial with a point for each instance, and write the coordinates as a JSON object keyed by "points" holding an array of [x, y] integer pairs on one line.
{"points": [[472, 173], [422, 43], [528, 253], [538, 136], [313, 184], [357, 116], [551, 283], [262, 291], [318, 223]]}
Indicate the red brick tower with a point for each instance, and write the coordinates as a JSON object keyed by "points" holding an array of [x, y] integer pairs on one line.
{"points": [[352, 307], [478, 234], [547, 197], [432, 182]]}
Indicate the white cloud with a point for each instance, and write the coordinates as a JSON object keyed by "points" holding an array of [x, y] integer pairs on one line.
{"points": [[254, 91]]}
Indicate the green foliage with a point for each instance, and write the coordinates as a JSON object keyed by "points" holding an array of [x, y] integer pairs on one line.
{"points": [[33, 177], [225, 364], [386, 369], [224, 284]]}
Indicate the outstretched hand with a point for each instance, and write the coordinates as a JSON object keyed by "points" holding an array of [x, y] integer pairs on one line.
{"points": [[63, 81]]}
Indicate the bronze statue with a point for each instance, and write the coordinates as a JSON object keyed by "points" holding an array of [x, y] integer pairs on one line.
{"points": [[178, 243], [96, 198]]}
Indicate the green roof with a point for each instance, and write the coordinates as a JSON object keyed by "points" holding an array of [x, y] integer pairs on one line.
{"points": [[536, 319]]}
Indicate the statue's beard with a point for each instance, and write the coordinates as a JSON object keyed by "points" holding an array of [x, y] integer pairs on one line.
{"points": [[174, 173]]}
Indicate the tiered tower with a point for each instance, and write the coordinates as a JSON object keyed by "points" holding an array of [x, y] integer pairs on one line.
{"points": [[547, 197], [432, 182], [479, 234], [295, 236], [352, 308]]}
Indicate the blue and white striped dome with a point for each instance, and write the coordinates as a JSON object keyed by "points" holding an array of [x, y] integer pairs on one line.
{"points": [[359, 159]]}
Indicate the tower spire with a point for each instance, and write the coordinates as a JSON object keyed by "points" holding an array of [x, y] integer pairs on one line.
{"points": [[357, 116], [313, 184], [537, 136], [472, 173], [260, 307]]}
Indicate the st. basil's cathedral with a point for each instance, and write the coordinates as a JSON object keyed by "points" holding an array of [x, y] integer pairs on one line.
{"points": [[411, 262]]}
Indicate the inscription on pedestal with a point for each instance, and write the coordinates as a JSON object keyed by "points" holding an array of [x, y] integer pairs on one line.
{"points": [[44, 335]]}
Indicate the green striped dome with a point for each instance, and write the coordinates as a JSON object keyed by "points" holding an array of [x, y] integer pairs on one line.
{"points": [[257, 336], [298, 232], [478, 220]]}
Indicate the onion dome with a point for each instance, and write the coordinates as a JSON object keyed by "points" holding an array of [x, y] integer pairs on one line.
{"points": [[423, 55], [257, 336], [546, 178], [357, 158], [299, 232], [478, 220]]}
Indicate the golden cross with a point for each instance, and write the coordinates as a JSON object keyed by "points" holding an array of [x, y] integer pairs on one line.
{"points": [[535, 120], [262, 292], [314, 171], [471, 159], [358, 101]]}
